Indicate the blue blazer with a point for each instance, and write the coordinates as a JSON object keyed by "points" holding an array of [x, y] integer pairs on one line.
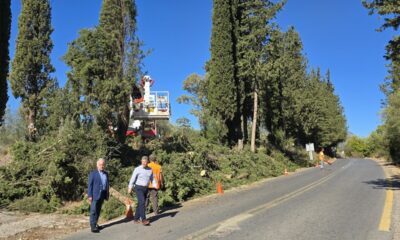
{"points": [[95, 185]]}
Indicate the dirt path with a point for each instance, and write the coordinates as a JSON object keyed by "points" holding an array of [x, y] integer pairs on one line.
{"points": [[39, 226]]}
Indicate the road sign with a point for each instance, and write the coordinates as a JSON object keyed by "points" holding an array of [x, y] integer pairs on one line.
{"points": [[310, 147]]}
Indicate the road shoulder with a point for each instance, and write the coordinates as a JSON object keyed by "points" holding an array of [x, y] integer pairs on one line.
{"points": [[392, 173]]}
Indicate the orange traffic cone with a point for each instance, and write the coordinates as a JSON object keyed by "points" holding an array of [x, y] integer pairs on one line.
{"points": [[128, 211], [286, 172], [219, 188]]}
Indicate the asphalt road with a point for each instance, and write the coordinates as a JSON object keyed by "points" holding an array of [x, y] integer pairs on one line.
{"points": [[343, 201]]}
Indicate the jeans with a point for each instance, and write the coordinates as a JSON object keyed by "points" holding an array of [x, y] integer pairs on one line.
{"points": [[95, 208], [141, 193]]}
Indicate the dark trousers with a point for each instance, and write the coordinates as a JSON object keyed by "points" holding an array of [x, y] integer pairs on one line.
{"points": [[95, 208], [153, 194], [141, 193]]}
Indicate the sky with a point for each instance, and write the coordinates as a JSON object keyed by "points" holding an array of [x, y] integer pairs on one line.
{"points": [[337, 35]]}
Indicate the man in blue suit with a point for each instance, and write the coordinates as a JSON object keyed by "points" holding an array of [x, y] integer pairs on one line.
{"points": [[98, 191]]}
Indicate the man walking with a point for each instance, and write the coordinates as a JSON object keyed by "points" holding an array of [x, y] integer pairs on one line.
{"points": [[141, 177], [98, 191], [153, 190]]}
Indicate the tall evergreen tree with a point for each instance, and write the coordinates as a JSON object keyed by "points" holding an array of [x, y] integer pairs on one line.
{"points": [[105, 63], [391, 10], [5, 27], [324, 121], [224, 98], [284, 88], [391, 87], [255, 31], [30, 72]]}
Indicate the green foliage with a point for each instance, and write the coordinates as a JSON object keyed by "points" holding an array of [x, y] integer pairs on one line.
{"points": [[392, 120], [285, 87], [391, 10], [212, 127], [298, 106], [105, 62], [5, 26], [54, 167], [31, 68], [223, 85], [181, 168], [389, 133], [35, 204], [357, 147], [378, 143], [112, 209]]}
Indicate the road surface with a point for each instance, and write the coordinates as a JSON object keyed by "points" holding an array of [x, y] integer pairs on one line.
{"points": [[344, 201]]}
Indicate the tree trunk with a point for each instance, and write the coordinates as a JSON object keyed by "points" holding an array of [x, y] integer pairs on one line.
{"points": [[123, 122], [254, 124], [241, 136]]}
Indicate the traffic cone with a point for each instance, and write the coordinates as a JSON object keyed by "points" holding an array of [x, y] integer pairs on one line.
{"points": [[128, 211], [219, 188], [286, 172]]}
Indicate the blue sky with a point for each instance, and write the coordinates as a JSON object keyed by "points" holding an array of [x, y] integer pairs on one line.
{"points": [[339, 35]]}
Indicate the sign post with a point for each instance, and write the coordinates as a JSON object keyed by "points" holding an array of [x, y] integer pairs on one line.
{"points": [[310, 149]]}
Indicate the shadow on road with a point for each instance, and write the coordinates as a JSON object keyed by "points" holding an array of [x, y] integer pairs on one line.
{"points": [[124, 220], [170, 207], [163, 215], [392, 183]]}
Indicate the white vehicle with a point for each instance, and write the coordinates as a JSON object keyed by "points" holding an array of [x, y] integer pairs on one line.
{"points": [[146, 107]]}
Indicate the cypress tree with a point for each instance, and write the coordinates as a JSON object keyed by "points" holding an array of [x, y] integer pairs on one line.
{"points": [[223, 84], [5, 26], [105, 63], [30, 71]]}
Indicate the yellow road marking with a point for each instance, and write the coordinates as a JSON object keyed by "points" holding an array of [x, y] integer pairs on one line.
{"points": [[386, 218], [231, 223]]}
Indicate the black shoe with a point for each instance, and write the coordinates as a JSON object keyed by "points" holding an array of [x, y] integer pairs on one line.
{"points": [[95, 230], [99, 227]]}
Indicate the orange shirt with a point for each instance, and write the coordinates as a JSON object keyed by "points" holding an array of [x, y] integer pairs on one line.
{"points": [[321, 156], [157, 171]]}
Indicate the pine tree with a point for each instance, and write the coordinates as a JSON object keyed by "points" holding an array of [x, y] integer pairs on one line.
{"points": [[105, 63], [5, 26], [31, 68], [391, 10]]}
